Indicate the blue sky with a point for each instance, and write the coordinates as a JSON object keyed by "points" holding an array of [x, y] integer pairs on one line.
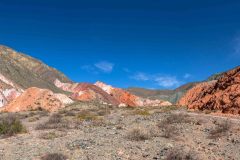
{"points": [[145, 43]]}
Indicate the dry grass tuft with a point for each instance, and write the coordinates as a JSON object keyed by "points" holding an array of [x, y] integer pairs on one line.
{"points": [[142, 112], [169, 108], [11, 125], [169, 131], [54, 156], [168, 127], [138, 134], [56, 121], [87, 115], [179, 154], [51, 135], [220, 130], [177, 118]]}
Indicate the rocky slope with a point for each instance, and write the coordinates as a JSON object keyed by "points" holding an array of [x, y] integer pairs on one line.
{"points": [[128, 99], [106, 94], [222, 95], [86, 92], [19, 72], [37, 99], [8, 90], [90, 92], [25, 71]]}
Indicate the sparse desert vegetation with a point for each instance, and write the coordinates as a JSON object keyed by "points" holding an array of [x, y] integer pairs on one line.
{"points": [[180, 154], [54, 156], [221, 129], [169, 125], [131, 82], [10, 125], [138, 134], [55, 121], [88, 131]]}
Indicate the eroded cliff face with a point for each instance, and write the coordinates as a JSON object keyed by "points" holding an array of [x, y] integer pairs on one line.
{"points": [[222, 95]]}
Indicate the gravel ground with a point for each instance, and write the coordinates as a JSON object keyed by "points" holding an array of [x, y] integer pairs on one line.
{"points": [[108, 133]]}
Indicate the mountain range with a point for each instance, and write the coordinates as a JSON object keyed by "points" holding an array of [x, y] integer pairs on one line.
{"points": [[172, 96], [28, 84]]}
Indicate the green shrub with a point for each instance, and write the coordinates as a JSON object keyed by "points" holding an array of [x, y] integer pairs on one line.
{"points": [[11, 125]]}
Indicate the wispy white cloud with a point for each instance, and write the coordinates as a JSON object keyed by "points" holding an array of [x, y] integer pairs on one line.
{"points": [[104, 66], [187, 75], [165, 81], [90, 69], [141, 76]]}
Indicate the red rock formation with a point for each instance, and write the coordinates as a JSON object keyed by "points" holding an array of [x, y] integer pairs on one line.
{"points": [[33, 99], [125, 97], [90, 92], [122, 96], [106, 94], [221, 95], [128, 99], [194, 94]]}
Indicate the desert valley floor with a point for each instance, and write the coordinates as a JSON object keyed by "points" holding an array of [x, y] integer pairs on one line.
{"points": [[86, 131]]}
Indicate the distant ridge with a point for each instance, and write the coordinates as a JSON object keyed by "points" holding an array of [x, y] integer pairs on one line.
{"points": [[25, 71], [168, 95]]}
